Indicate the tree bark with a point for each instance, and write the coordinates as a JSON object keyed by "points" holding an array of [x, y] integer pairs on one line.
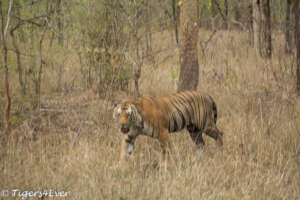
{"points": [[226, 13], [40, 72], [297, 41], [175, 21], [266, 34], [3, 29], [19, 63], [188, 53], [213, 14], [60, 26], [255, 25], [148, 30], [288, 28]]}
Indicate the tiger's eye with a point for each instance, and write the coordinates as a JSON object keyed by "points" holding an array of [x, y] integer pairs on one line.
{"points": [[119, 111], [128, 111]]}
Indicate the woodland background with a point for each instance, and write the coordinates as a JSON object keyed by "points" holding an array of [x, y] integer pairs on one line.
{"points": [[68, 59]]}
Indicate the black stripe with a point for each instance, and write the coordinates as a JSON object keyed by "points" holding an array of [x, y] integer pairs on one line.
{"points": [[179, 112], [175, 125], [186, 103], [152, 134]]}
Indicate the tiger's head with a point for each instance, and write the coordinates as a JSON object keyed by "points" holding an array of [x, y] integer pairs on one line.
{"points": [[127, 117]]}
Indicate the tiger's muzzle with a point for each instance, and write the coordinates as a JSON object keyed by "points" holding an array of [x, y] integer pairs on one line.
{"points": [[124, 129]]}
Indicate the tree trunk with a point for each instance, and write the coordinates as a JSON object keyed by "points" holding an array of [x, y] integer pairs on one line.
{"points": [[297, 41], [255, 25], [138, 71], [40, 72], [32, 69], [288, 28], [17, 50], [175, 21], [3, 29], [60, 26], [139, 56], [213, 14], [19, 63], [149, 31], [265, 35], [226, 13], [188, 54]]}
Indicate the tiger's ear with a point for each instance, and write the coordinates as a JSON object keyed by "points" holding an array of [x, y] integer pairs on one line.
{"points": [[115, 103]]}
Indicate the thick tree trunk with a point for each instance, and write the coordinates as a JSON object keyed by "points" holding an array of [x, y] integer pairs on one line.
{"points": [[265, 36], [188, 54], [288, 28], [255, 25], [3, 29], [297, 41]]}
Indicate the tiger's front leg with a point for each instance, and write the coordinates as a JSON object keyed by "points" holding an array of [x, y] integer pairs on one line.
{"points": [[165, 144], [127, 147]]}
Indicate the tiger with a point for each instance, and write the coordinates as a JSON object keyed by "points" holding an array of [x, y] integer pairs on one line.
{"points": [[157, 117]]}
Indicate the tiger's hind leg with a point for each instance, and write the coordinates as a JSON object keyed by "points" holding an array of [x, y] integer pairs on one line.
{"points": [[216, 134], [196, 136]]}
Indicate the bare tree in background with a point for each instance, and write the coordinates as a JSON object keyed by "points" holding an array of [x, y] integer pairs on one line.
{"points": [[255, 25], [226, 13], [60, 26], [188, 54], [213, 14], [297, 41], [288, 28], [265, 30], [16, 47], [175, 19], [4, 29]]}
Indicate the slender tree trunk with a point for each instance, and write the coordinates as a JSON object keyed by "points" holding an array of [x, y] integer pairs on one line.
{"points": [[32, 69], [266, 34], [250, 22], [188, 53], [4, 28], [297, 41], [213, 14], [40, 72], [226, 13], [138, 71], [148, 30], [19, 63], [60, 26], [175, 21], [288, 28], [256, 25], [139, 56], [17, 50]]}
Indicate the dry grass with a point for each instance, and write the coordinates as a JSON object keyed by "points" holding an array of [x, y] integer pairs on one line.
{"points": [[76, 148]]}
